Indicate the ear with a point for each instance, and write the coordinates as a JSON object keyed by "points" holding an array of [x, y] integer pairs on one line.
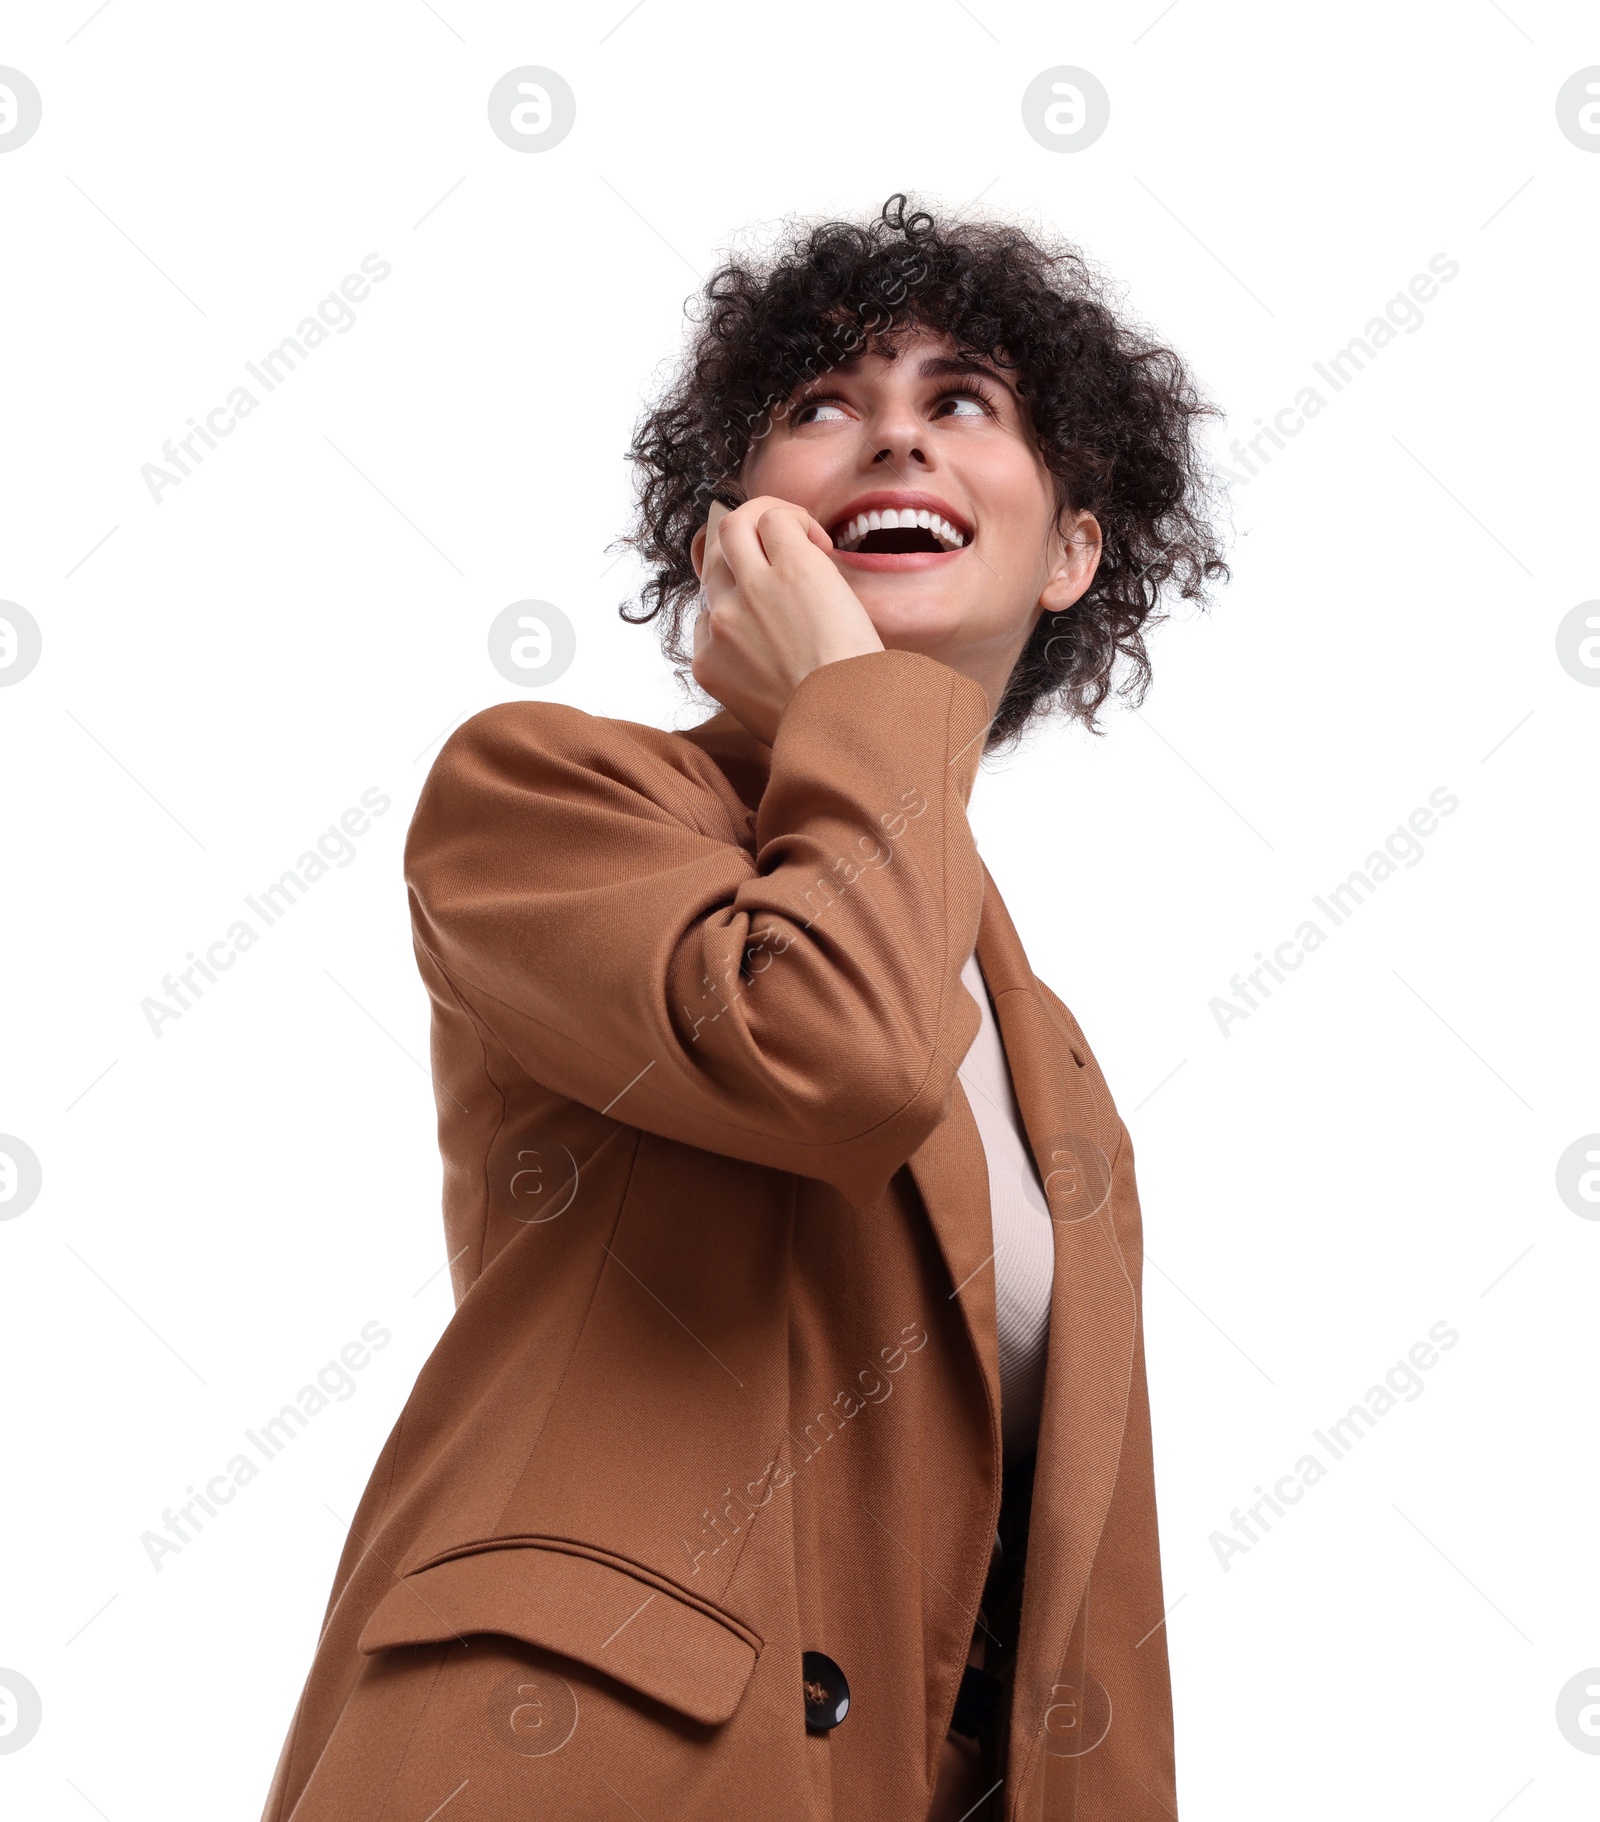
{"points": [[1075, 567]]}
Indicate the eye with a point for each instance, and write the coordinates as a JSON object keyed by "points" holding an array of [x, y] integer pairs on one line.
{"points": [[818, 411], [976, 403]]}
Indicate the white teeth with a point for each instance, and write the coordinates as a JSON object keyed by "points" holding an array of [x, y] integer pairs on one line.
{"points": [[851, 534]]}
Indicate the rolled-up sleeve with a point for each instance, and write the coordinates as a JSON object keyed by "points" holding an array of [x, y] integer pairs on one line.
{"points": [[799, 1006]]}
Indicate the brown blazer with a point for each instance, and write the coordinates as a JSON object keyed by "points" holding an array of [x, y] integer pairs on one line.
{"points": [[721, 1387]]}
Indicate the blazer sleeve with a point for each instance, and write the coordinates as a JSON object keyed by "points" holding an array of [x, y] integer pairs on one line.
{"points": [[799, 1007]]}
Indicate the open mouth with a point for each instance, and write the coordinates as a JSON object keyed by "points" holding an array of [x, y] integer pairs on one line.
{"points": [[898, 533]]}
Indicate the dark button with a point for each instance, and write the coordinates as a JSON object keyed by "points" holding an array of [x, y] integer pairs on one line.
{"points": [[826, 1691]]}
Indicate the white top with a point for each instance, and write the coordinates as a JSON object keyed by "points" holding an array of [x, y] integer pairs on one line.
{"points": [[1024, 1239]]}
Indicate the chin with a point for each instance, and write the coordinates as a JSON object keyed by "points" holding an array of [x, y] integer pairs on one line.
{"points": [[914, 625], [908, 633]]}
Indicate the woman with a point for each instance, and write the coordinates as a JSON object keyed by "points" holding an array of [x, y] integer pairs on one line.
{"points": [[788, 1452]]}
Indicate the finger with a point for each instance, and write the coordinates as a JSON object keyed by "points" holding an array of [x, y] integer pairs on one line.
{"points": [[709, 549], [739, 535], [717, 576], [719, 590], [739, 545], [786, 531], [815, 530], [716, 570]]}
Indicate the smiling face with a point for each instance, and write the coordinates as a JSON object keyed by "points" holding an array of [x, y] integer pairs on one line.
{"points": [[924, 471]]}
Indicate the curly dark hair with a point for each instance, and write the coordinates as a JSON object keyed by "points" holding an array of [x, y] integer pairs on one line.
{"points": [[1113, 413]]}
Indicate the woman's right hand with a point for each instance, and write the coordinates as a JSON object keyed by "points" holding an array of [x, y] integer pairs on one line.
{"points": [[774, 608]]}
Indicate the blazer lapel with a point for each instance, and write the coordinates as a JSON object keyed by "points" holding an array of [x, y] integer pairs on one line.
{"points": [[1093, 1306], [1093, 1315], [951, 1172]]}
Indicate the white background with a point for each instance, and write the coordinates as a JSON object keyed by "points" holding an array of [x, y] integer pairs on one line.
{"points": [[1371, 1152]]}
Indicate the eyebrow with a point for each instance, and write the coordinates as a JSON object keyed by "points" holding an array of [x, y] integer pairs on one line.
{"points": [[932, 366]]}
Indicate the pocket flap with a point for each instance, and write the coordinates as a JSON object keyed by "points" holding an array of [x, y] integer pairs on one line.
{"points": [[595, 1609]]}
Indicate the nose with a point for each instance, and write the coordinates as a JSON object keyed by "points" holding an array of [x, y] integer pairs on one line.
{"points": [[896, 460], [897, 439]]}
